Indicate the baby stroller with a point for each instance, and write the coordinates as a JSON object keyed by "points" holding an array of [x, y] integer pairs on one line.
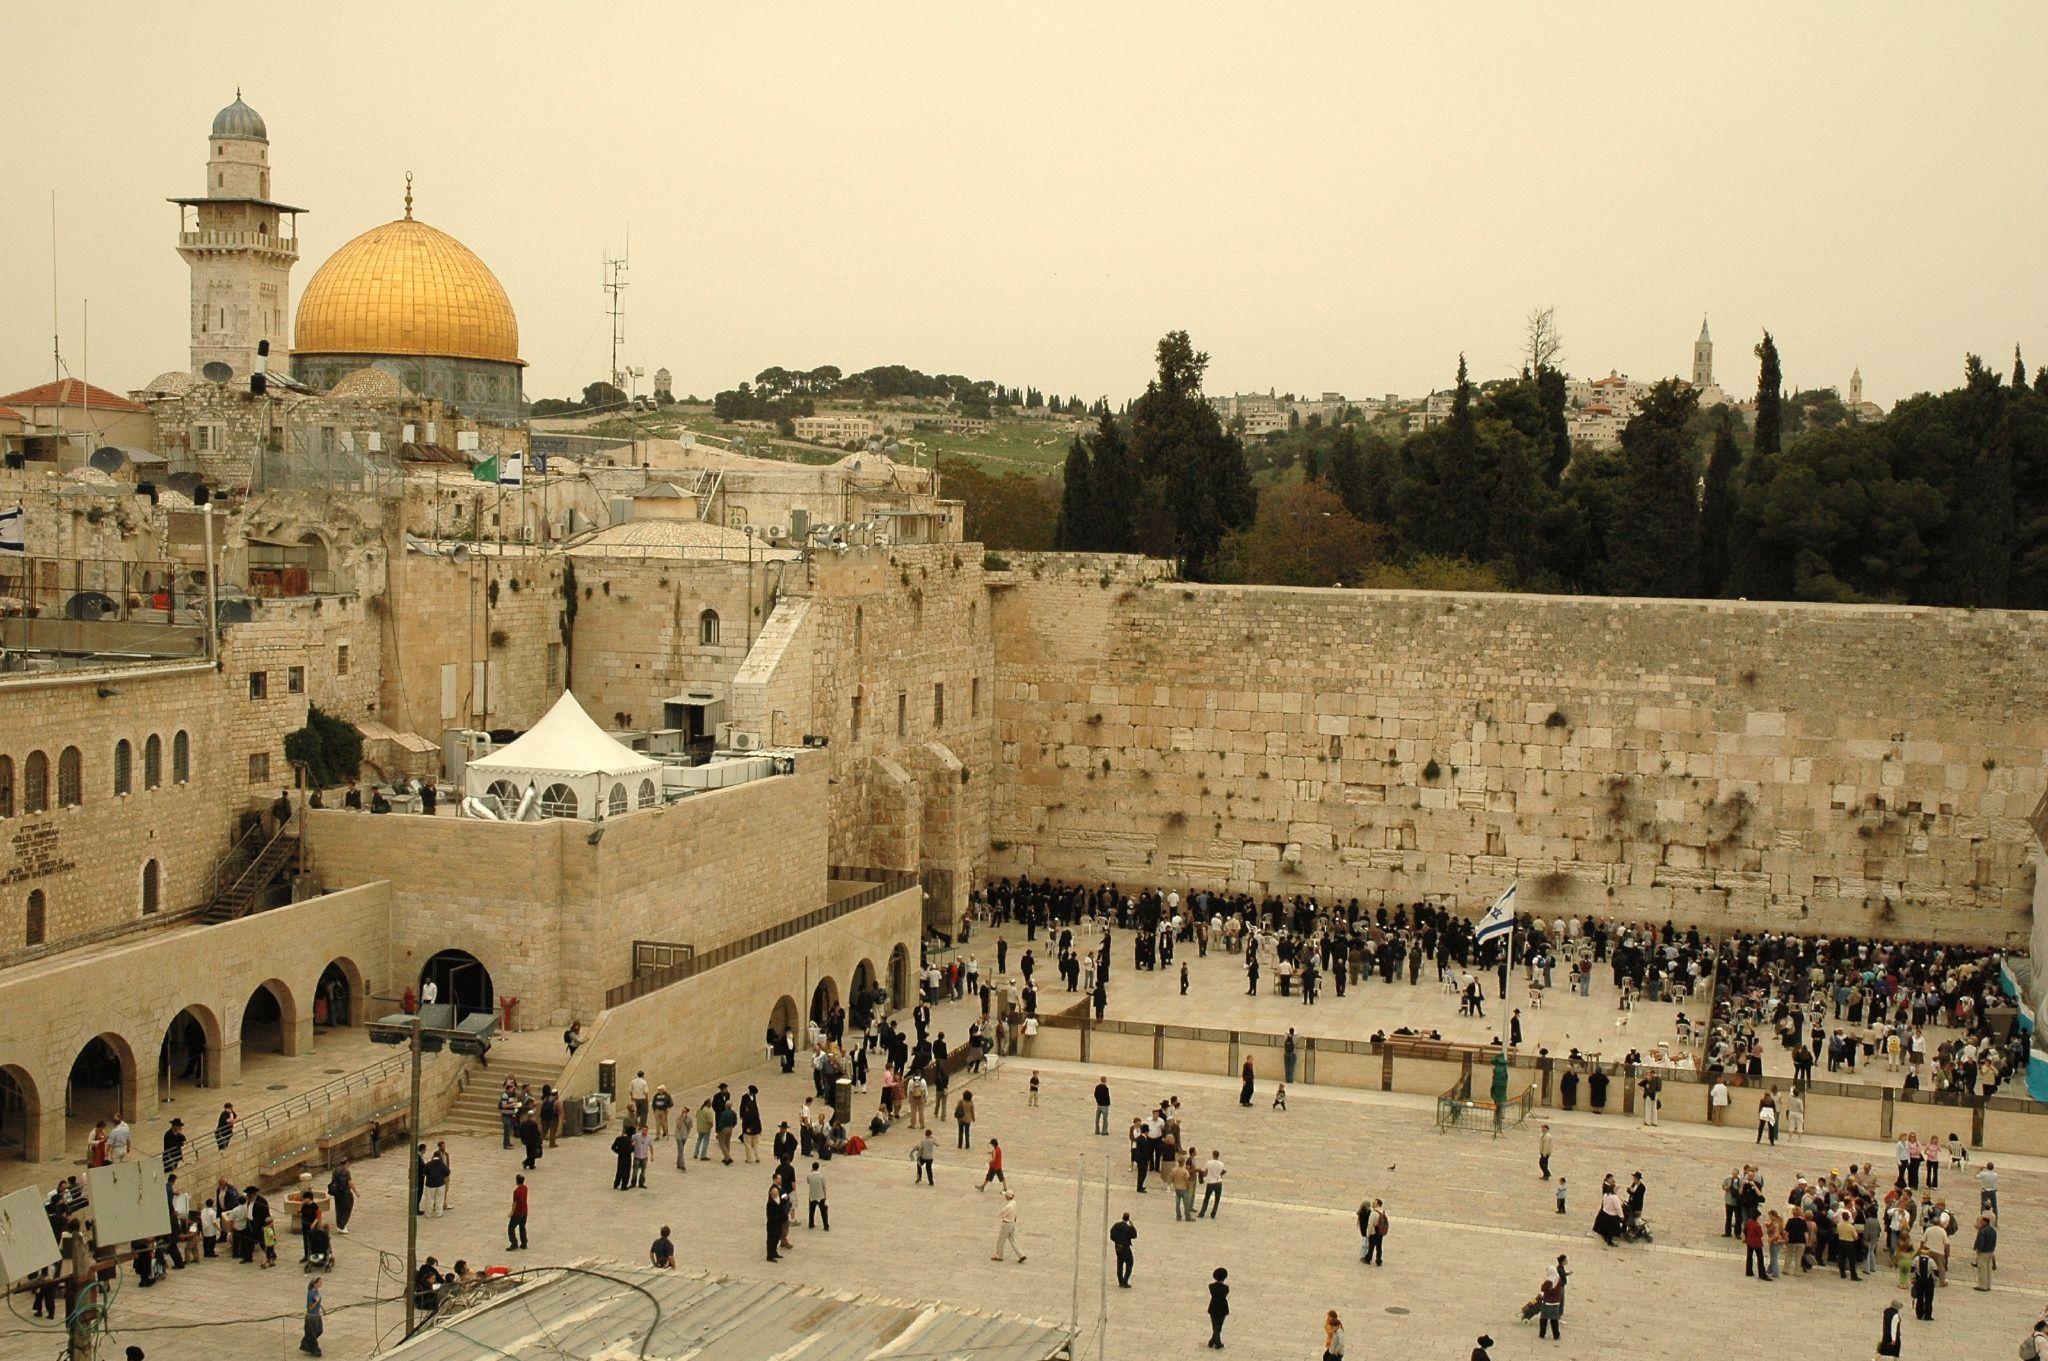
{"points": [[319, 1250], [1636, 1230]]}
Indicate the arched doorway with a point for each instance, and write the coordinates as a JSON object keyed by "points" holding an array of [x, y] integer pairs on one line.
{"points": [[460, 980], [899, 976], [824, 997], [784, 1016], [21, 1115], [190, 1055], [335, 995], [265, 1020], [860, 1003], [101, 1085]]}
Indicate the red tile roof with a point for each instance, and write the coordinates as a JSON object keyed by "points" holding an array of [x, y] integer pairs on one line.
{"points": [[70, 392], [8, 413]]}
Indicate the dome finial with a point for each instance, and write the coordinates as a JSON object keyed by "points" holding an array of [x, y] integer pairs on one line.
{"points": [[408, 195]]}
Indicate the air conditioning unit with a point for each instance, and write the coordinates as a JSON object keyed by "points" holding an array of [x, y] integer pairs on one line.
{"points": [[744, 741], [774, 533], [409, 434], [376, 442]]}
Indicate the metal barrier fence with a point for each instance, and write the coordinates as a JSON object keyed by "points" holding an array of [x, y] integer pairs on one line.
{"points": [[746, 945]]}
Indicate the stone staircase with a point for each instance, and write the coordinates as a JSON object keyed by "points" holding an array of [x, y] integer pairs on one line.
{"points": [[475, 1110]]}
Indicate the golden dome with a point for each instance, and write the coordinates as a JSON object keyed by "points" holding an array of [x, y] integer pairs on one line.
{"points": [[407, 288]]}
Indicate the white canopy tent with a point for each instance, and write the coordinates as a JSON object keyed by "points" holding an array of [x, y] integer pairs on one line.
{"points": [[577, 769]]}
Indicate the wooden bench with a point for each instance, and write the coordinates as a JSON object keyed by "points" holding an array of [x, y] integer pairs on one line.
{"points": [[377, 1127], [276, 1169]]}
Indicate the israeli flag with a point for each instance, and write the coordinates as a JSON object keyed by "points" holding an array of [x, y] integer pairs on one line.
{"points": [[1499, 919], [511, 473], [13, 531]]}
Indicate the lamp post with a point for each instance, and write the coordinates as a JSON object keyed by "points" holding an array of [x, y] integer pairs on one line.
{"points": [[414, 1032]]}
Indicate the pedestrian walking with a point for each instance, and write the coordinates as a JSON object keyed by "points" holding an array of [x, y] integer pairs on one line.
{"points": [[924, 1153], [1985, 1245], [316, 1320], [1550, 1309], [1376, 1234], [963, 1118], [341, 1189], [1102, 1105], [643, 1150], [1244, 1093], [622, 1154], [1122, 1234], [1219, 1306], [515, 1223], [814, 1188], [995, 1166], [1891, 1331], [1333, 1332], [1006, 1229], [1543, 1153], [637, 1092]]}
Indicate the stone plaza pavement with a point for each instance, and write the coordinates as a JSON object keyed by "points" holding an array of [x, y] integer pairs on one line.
{"points": [[1473, 1229]]}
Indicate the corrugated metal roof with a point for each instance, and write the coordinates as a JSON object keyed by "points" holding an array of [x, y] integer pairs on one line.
{"points": [[603, 1310]]}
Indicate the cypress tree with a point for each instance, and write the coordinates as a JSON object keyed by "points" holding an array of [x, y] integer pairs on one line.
{"points": [[1659, 554], [1550, 395], [1717, 507], [1754, 571], [1117, 487], [1077, 527], [1769, 397], [1347, 473]]}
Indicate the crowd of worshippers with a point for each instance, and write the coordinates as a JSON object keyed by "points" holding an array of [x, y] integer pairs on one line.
{"points": [[1303, 943], [1856, 1003]]}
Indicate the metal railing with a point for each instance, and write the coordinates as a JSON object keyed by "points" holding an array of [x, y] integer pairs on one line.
{"points": [[746, 945], [205, 1156], [103, 590]]}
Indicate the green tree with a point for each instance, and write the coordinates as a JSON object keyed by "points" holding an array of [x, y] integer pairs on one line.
{"points": [[1550, 388], [1302, 536], [1012, 511], [601, 396], [1753, 573], [1769, 397], [1117, 485], [1347, 473], [1717, 506], [1659, 556], [1843, 527], [1078, 529], [1196, 468]]}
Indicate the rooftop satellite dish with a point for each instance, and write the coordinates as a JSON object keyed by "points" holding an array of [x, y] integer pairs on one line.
{"points": [[185, 484], [216, 372], [108, 459], [90, 606]]}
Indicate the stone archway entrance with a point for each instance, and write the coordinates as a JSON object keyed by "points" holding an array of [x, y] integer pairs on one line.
{"points": [[21, 1115], [461, 981], [101, 1085]]}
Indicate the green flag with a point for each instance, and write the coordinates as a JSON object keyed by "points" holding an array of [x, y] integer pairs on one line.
{"points": [[486, 471]]}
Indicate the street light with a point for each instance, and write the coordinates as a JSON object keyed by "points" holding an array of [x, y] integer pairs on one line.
{"points": [[466, 1036]]}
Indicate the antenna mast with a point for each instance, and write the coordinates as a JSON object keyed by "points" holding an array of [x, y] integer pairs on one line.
{"points": [[615, 284]]}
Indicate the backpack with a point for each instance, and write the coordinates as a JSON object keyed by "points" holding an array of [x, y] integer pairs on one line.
{"points": [[2030, 1347]]}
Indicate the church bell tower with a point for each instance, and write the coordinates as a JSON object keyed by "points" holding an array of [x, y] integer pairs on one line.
{"points": [[1703, 359], [241, 245]]}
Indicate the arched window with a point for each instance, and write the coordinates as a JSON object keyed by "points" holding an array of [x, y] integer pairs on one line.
{"points": [[181, 758], [151, 879], [507, 795], [70, 778], [858, 627], [707, 628], [558, 801], [124, 767], [6, 786], [38, 917], [617, 803], [35, 783], [647, 794], [152, 762]]}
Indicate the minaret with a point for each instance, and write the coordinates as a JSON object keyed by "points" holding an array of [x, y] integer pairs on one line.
{"points": [[1856, 388], [241, 250], [1703, 359]]}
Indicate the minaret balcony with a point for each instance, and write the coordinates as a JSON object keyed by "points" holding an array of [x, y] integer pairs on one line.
{"points": [[224, 239]]}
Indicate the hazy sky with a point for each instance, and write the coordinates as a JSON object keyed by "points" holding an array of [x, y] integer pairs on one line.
{"points": [[1327, 197]]}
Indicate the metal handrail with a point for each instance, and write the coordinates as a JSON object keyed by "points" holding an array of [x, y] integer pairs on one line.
{"points": [[238, 849], [255, 864], [746, 945]]}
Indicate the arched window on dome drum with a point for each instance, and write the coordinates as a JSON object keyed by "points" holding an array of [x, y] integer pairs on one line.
{"points": [[558, 801], [647, 794], [70, 778], [124, 767], [181, 759], [35, 783], [617, 803], [153, 762], [707, 628]]}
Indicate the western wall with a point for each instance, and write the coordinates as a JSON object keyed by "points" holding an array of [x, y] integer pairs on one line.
{"points": [[1865, 769]]}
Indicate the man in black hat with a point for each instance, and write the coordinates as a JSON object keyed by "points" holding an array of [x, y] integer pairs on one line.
{"points": [[1479, 1353], [174, 1145]]}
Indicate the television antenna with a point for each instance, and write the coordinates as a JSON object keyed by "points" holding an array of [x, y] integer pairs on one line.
{"points": [[614, 285]]}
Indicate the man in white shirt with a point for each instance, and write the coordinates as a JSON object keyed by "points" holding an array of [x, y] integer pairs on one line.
{"points": [[118, 1139], [1717, 1103], [1212, 1186], [637, 1090], [430, 993]]}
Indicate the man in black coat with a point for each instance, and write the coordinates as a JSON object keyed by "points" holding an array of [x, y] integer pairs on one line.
{"points": [[1123, 1233], [622, 1149]]}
